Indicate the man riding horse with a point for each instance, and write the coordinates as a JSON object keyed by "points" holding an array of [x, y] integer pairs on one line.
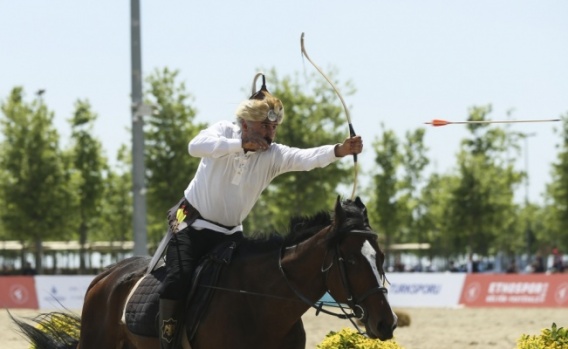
{"points": [[238, 161]]}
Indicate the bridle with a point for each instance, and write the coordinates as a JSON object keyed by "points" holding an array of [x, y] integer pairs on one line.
{"points": [[354, 302]]}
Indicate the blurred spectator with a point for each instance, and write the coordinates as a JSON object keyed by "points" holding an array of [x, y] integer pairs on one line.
{"points": [[473, 264], [7, 269], [399, 267], [558, 263], [417, 267], [430, 268], [538, 265], [512, 268], [452, 267], [28, 270]]}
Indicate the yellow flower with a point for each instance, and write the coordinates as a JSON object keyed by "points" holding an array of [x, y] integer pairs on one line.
{"points": [[348, 338]]}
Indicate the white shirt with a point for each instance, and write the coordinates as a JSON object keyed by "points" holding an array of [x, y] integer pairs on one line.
{"points": [[228, 181]]}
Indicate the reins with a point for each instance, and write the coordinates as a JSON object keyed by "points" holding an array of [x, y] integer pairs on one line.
{"points": [[305, 299], [357, 311]]}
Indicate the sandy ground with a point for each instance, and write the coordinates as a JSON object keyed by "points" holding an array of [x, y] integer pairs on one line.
{"points": [[430, 328]]}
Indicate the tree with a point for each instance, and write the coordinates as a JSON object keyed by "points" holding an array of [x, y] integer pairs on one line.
{"points": [[87, 163], [436, 196], [167, 133], [413, 161], [115, 213], [481, 206], [311, 119], [35, 188], [387, 207], [3, 178], [557, 195]]}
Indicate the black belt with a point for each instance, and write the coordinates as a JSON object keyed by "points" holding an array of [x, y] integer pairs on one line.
{"points": [[191, 214]]}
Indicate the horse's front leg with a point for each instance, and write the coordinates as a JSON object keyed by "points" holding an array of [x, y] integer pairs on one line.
{"points": [[296, 338]]}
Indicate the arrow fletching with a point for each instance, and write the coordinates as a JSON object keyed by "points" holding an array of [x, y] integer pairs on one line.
{"points": [[440, 122]]}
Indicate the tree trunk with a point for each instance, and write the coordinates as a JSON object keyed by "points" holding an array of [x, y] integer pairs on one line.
{"points": [[38, 256], [82, 252]]}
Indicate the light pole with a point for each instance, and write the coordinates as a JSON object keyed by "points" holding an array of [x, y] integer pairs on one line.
{"points": [[526, 137], [528, 235], [138, 112]]}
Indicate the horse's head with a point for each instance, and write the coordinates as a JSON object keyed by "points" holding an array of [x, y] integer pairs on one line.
{"points": [[356, 274]]}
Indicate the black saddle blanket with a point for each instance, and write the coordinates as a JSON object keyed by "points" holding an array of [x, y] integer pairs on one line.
{"points": [[142, 308]]}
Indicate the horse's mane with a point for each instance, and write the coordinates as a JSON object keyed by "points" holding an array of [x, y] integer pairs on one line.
{"points": [[302, 228]]}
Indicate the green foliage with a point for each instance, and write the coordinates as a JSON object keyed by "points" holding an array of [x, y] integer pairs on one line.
{"points": [[87, 164], [51, 194], [167, 132], [115, 213], [348, 338], [87, 158], [397, 208], [480, 207], [436, 195], [414, 162], [470, 209], [553, 338], [557, 196], [3, 177], [35, 187], [386, 205]]}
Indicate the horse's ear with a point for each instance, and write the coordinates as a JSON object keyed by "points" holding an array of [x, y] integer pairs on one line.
{"points": [[340, 215], [361, 205]]}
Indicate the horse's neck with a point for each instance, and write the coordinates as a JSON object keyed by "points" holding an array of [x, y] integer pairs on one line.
{"points": [[303, 265]]}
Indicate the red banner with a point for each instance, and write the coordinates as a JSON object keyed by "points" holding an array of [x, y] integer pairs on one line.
{"points": [[18, 292], [515, 290]]}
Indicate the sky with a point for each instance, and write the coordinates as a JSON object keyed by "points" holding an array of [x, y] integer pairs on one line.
{"points": [[411, 61]]}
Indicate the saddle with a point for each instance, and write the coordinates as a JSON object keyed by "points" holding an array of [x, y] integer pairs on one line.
{"points": [[140, 314]]}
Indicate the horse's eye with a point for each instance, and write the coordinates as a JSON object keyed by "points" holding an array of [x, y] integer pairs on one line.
{"points": [[351, 260]]}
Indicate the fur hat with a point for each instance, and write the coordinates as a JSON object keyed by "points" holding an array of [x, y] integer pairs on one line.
{"points": [[261, 105]]}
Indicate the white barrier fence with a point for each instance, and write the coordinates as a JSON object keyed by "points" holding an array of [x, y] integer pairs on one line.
{"points": [[53, 292], [425, 289]]}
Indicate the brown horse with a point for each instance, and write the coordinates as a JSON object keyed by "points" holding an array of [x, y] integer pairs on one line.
{"points": [[261, 295]]}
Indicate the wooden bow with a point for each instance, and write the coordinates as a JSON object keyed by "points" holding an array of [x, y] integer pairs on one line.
{"points": [[347, 115]]}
